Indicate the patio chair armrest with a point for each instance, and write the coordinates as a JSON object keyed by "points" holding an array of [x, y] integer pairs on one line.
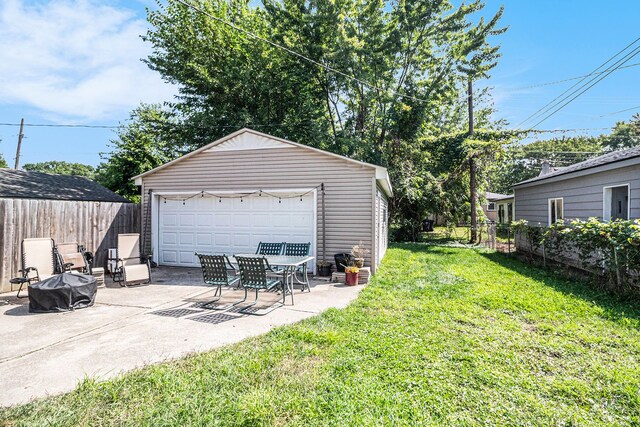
{"points": [[28, 270]]}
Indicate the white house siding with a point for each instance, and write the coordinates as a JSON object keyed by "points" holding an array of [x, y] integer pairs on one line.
{"points": [[348, 188], [583, 195], [382, 225]]}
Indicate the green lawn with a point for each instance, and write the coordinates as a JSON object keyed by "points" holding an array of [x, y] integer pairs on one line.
{"points": [[442, 336]]}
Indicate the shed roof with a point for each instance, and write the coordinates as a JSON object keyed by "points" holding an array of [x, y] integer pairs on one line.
{"points": [[607, 159], [382, 175], [20, 184]]}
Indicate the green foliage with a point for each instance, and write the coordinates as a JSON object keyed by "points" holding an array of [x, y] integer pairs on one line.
{"points": [[62, 168], [424, 50], [624, 135], [612, 247], [442, 336], [435, 171], [149, 139], [522, 162], [3, 162]]}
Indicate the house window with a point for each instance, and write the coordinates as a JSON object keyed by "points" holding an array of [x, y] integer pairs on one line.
{"points": [[616, 202], [491, 206], [509, 212], [556, 210]]}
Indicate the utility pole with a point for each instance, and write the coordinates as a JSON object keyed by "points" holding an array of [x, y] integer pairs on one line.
{"points": [[20, 136], [473, 196]]}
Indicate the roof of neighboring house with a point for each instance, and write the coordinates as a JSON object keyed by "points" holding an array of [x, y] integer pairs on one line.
{"points": [[494, 197], [616, 156], [382, 176], [20, 184]]}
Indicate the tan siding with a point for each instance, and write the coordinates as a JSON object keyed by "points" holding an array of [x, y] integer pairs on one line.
{"points": [[349, 192]]}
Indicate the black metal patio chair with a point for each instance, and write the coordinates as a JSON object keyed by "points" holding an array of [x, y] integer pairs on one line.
{"points": [[270, 248], [253, 275], [215, 271]]}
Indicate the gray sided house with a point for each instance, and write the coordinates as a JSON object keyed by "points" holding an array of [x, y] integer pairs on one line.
{"points": [[62, 207], [249, 187], [605, 187]]}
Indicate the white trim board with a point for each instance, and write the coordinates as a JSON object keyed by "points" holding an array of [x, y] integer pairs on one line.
{"points": [[606, 201]]}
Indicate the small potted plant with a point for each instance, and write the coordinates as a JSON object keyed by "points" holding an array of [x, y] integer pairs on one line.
{"points": [[351, 275], [359, 252], [324, 268]]}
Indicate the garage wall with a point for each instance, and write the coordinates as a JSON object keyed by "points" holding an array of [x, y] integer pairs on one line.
{"points": [[349, 193]]}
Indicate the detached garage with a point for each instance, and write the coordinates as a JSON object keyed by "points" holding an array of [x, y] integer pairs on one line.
{"points": [[249, 187]]}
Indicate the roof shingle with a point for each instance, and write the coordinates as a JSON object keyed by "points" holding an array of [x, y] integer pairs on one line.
{"points": [[37, 185], [613, 157]]}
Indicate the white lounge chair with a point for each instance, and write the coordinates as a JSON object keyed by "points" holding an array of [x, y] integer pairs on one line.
{"points": [[132, 268], [72, 257], [38, 262]]}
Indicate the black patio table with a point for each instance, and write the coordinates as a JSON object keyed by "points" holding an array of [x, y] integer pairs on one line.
{"points": [[289, 265]]}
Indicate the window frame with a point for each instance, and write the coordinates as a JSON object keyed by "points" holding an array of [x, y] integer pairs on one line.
{"points": [[606, 201], [489, 206], [555, 199]]}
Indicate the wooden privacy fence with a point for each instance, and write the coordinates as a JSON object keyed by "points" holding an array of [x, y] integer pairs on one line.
{"points": [[92, 224]]}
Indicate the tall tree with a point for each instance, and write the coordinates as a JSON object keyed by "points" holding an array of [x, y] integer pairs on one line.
{"points": [[624, 134], [378, 76], [3, 162], [61, 168], [147, 140]]}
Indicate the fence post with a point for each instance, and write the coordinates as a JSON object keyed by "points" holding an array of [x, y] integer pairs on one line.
{"points": [[508, 239]]}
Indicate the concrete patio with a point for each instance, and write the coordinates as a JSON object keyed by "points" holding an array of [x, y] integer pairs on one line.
{"points": [[127, 328]]}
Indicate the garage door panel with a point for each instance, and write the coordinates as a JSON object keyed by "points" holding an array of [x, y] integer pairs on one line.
{"points": [[222, 219], [169, 238], [169, 219], [187, 238], [187, 257], [260, 219], [205, 220], [280, 220], [169, 256], [207, 225], [204, 239]]}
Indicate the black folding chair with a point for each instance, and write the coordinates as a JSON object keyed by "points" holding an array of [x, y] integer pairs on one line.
{"points": [[253, 275], [215, 271]]}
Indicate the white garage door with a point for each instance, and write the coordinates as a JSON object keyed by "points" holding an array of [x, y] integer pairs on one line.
{"points": [[230, 226]]}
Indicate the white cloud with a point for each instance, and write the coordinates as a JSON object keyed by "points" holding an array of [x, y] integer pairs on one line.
{"points": [[75, 59]]}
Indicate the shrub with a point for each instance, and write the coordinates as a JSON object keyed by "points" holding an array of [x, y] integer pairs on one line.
{"points": [[612, 247]]}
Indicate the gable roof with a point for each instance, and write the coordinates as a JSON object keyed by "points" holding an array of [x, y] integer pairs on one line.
{"points": [[607, 159], [20, 184], [382, 176], [494, 197]]}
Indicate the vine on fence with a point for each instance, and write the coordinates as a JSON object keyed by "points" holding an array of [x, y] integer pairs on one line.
{"points": [[611, 247]]}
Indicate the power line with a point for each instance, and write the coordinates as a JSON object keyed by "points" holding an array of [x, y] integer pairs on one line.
{"points": [[599, 79], [298, 54], [62, 125], [555, 82], [621, 111], [553, 102]]}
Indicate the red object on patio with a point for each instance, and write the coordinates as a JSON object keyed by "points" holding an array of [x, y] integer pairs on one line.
{"points": [[351, 279]]}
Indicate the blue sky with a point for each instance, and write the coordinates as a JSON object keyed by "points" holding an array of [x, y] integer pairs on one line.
{"points": [[78, 61]]}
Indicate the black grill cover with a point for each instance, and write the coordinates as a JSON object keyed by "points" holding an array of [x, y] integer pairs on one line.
{"points": [[63, 292]]}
